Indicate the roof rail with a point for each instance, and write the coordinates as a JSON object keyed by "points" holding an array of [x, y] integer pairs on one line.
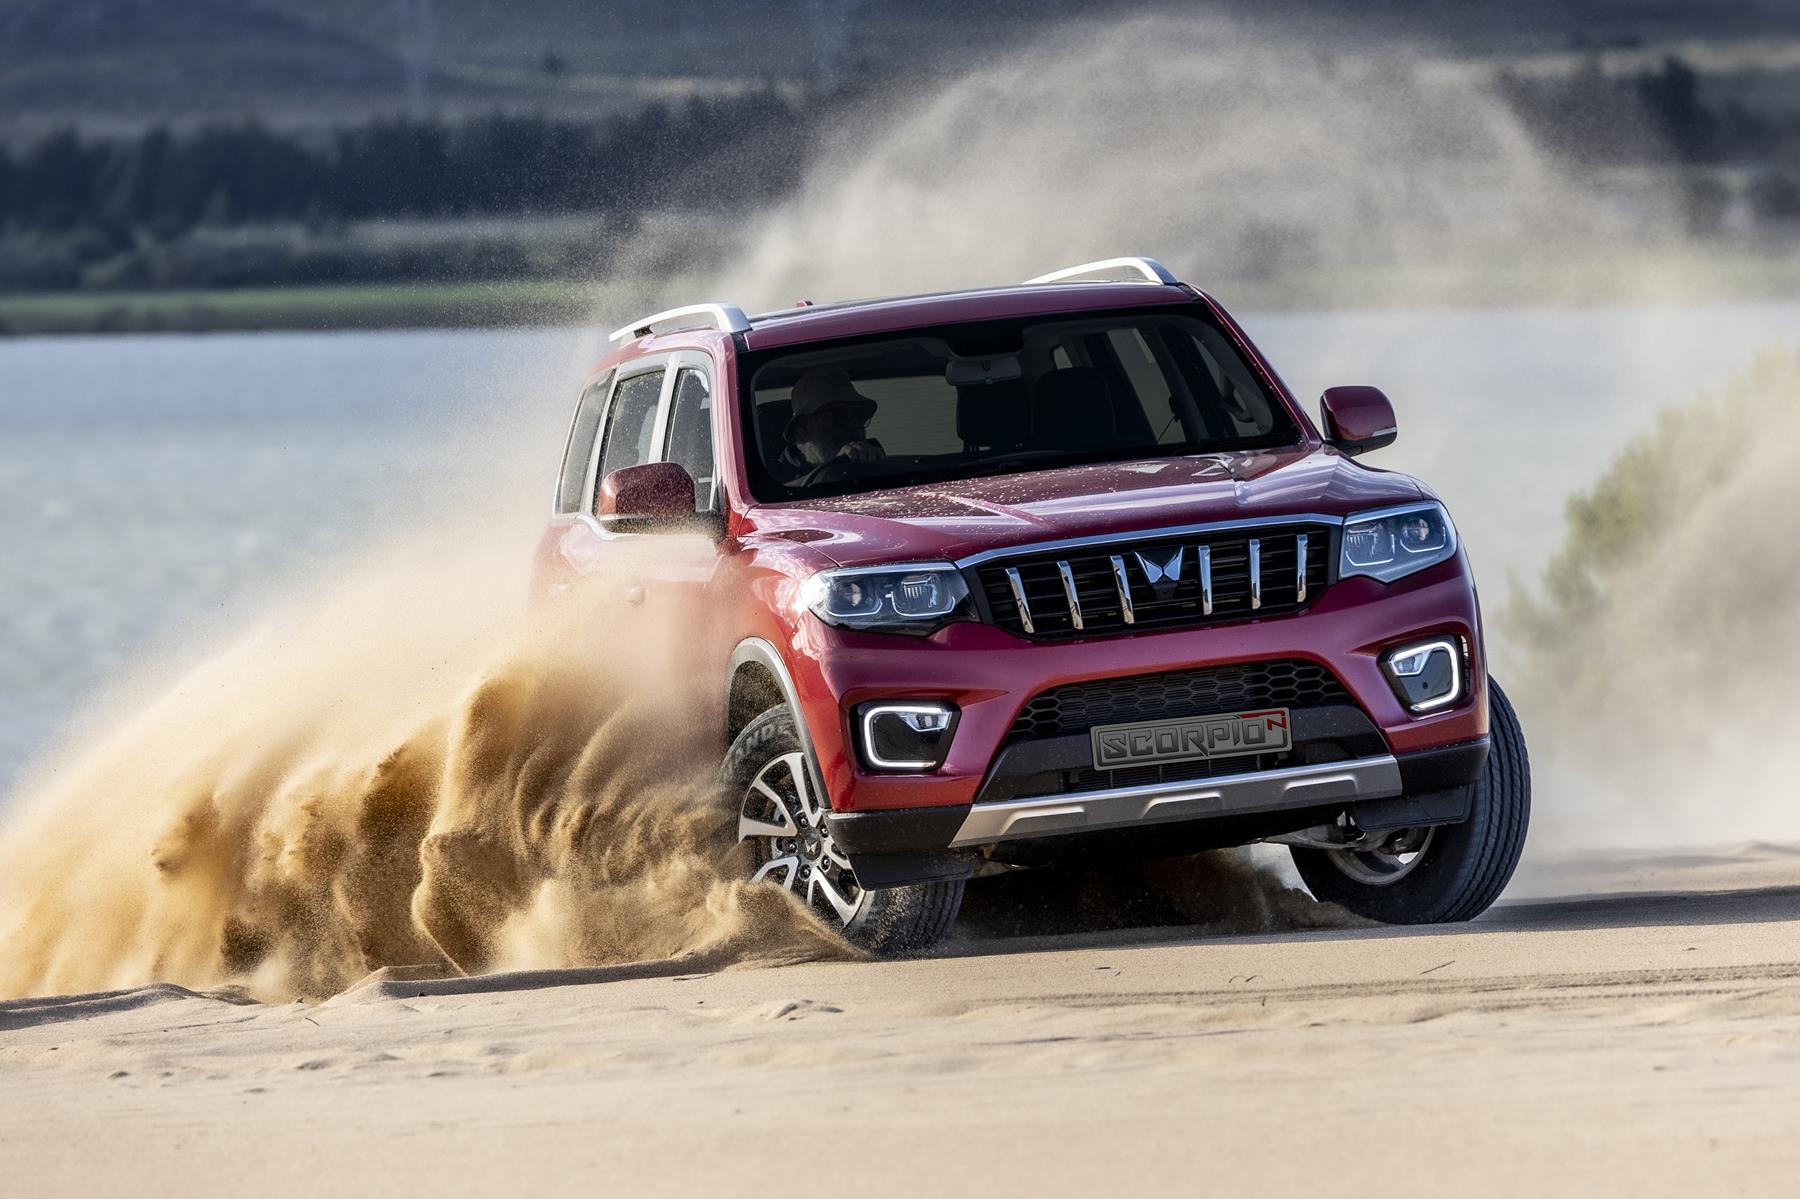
{"points": [[1152, 270], [727, 318]]}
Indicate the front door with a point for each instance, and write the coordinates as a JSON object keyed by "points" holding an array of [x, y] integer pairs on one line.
{"points": [[658, 409]]}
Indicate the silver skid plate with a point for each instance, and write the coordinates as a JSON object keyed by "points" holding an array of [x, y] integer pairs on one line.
{"points": [[1322, 785]]}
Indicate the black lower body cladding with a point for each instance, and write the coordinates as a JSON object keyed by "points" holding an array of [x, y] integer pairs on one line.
{"points": [[907, 845]]}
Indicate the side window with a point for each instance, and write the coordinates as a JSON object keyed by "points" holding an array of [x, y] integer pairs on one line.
{"points": [[630, 423], [690, 434], [580, 450]]}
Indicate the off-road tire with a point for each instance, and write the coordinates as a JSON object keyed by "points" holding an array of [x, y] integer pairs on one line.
{"points": [[1465, 866], [893, 920]]}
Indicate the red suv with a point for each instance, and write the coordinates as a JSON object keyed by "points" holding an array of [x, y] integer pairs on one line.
{"points": [[1034, 574]]}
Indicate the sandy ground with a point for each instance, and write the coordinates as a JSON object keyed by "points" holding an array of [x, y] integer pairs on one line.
{"points": [[1642, 1039]]}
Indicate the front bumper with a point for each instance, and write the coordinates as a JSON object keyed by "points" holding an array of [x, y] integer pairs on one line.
{"points": [[1414, 780], [990, 675]]}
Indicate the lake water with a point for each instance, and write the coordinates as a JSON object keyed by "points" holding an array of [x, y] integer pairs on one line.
{"points": [[156, 488]]}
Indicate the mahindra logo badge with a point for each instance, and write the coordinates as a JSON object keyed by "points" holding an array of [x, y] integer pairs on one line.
{"points": [[1165, 574]]}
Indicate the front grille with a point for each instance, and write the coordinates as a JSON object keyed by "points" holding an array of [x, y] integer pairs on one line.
{"points": [[1168, 582], [1078, 707]]}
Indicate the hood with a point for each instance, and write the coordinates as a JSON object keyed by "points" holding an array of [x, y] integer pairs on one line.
{"points": [[953, 519]]}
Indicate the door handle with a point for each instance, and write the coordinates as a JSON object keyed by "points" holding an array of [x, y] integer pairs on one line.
{"points": [[634, 594]]}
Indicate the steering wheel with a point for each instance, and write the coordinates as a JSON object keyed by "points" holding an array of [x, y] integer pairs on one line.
{"points": [[834, 471]]}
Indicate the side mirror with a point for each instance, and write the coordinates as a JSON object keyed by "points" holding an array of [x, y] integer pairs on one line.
{"points": [[636, 498], [1357, 419]]}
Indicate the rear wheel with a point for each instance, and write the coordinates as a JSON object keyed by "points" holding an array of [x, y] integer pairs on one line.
{"points": [[1444, 873], [782, 816]]}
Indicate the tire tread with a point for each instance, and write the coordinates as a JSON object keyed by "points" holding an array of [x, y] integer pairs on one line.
{"points": [[1505, 823], [1476, 859], [900, 919]]}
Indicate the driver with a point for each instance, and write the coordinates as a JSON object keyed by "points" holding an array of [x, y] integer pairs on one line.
{"points": [[830, 423]]}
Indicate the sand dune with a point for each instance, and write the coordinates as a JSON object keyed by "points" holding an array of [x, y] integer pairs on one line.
{"points": [[1642, 1041]]}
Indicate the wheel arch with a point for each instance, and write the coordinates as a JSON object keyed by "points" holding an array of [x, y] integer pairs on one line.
{"points": [[753, 690], [757, 679]]}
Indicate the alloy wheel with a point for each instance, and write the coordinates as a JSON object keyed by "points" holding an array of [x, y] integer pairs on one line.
{"points": [[784, 820], [1386, 862]]}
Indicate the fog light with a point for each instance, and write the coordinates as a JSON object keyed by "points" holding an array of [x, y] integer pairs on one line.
{"points": [[1426, 676], [906, 736]]}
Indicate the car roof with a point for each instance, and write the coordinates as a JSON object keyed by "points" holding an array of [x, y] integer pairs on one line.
{"points": [[896, 314], [796, 326], [1072, 289]]}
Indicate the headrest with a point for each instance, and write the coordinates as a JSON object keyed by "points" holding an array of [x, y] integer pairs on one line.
{"points": [[993, 415], [1072, 409]]}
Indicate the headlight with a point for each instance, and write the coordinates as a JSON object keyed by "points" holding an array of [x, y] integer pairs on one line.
{"points": [[1395, 542], [890, 599]]}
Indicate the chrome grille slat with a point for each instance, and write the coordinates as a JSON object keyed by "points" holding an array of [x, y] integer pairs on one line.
{"points": [[1124, 587], [1255, 573], [1074, 597], [1147, 582], [1018, 590]]}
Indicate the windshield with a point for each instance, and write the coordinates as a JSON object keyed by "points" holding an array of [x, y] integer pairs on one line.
{"points": [[995, 397]]}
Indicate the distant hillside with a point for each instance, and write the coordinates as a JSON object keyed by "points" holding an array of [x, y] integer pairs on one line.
{"points": [[89, 29], [128, 63], [159, 58], [317, 62]]}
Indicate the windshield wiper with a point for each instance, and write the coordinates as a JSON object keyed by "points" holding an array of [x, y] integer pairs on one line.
{"points": [[1020, 456], [1007, 466]]}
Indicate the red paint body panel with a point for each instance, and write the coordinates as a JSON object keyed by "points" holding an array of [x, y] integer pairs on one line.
{"points": [[750, 588], [801, 325], [955, 519]]}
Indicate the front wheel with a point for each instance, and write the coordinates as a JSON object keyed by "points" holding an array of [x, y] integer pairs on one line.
{"points": [[782, 816], [1447, 872]]}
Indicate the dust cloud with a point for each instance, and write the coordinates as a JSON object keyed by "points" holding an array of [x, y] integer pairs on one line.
{"points": [[1239, 154], [1657, 655], [403, 769], [1222, 892]]}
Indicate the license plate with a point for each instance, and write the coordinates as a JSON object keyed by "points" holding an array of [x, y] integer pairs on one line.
{"points": [[1190, 738]]}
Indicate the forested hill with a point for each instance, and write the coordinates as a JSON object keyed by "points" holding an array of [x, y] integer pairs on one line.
{"points": [[134, 63]]}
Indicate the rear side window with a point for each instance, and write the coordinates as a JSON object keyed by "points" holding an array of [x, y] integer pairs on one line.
{"points": [[580, 450], [690, 434], [631, 423]]}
